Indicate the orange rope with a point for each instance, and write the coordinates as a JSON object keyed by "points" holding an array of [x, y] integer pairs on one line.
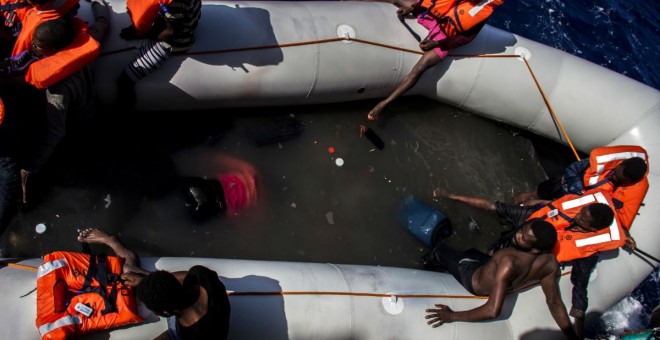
{"points": [[19, 266], [433, 296], [280, 293], [552, 112]]}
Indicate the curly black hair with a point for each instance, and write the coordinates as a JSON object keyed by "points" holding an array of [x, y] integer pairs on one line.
{"points": [[161, 292], [634, 169], [54, 34], [601, 215], [546, 235]]}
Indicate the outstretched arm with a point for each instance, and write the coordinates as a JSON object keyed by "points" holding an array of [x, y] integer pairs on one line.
{"points": [[490, 310], [476, 202], [132, 261], [555, 304]]}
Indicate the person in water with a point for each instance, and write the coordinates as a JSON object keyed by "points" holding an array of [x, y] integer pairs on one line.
{"points": [[444, 35], [194, 301], [529, 259]]}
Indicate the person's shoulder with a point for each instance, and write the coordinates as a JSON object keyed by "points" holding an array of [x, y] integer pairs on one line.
{"points": [[549, 263]]}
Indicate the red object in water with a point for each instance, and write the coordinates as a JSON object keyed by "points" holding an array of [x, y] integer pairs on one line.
{"points": [[331, 150]]}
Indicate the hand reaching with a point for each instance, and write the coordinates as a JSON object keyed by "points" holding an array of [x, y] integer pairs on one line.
{"points": [[439, 315]]}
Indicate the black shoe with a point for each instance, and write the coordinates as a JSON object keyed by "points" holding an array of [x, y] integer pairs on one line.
{"points": [[430, 263]]}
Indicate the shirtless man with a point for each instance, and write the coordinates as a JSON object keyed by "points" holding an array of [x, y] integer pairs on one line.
{"points": [[507, 270], [195, 301]]}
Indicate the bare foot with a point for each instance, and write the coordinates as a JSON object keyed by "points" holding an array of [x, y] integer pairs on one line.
{"points": [[93, 235], [524, 197], [375, 112], [441, 192]]}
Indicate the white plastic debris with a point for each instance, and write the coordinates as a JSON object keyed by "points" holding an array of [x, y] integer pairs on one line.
{"points": [[330, 217], [40, 228]]}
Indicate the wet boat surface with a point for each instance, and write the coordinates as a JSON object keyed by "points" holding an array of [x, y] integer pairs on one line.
{"points": [[307, 209]]}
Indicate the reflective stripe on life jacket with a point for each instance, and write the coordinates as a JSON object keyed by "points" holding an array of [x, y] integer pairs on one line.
{"points": [[67, 279], [457, 17], [35, 16], [573, 245], [81, 51], [143, 13], [604, 159], [602, 162]]}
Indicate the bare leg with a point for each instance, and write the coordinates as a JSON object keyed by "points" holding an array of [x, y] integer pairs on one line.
{"points": [[428, 60], [95, 236], [476, 202]]}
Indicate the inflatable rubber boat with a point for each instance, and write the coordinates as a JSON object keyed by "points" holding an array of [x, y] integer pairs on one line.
{"points": [[256, 53]]}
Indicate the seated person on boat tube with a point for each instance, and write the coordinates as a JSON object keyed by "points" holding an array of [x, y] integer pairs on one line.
{"points": [[620, 170], [451, 24], [528, 259], [585, 226], [170, 27], [194, 301]]}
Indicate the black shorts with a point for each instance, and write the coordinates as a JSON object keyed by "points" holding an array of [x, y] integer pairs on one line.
{"points": [[460, 264]]}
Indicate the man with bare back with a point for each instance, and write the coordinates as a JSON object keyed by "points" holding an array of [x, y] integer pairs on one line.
{"points": [[529, 259]]}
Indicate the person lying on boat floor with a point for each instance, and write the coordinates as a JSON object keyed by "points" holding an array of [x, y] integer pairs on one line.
{"points": [[195, 302], [585, 225], [440, 18], [170, 29], [621, 170], [529, 259]]}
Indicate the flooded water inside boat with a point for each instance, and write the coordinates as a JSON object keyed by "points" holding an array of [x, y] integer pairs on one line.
{"points": [[307, 208]]}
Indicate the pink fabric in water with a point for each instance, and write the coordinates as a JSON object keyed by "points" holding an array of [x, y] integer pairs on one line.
{"points": [[235, 192], [435, 33], [239, 190]]}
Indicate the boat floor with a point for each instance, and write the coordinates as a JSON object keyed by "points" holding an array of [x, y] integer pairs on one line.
{"points": [[123, 179]]}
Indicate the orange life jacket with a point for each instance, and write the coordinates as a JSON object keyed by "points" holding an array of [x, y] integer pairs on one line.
{"points": [[66, 281], [457, 17], [143, 13], [573, 245], [35, 15], [2, 111], [81, 51], [15, 15], [601, 162]]}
